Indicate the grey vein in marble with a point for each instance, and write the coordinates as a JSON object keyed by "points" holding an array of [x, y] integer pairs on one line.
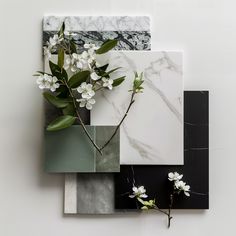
{"points": [[97, 23]]}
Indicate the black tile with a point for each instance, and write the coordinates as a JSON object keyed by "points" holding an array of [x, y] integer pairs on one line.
{"points": [[195, 168]]}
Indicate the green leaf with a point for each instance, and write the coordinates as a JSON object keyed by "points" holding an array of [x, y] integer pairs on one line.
{"points": [[72, 47], [103, 68], [61, 54], [107, 74], [60, 73], [62, 29], [69, 110], [107, 46], [78, 78], [118, 81], [55, 69], [144, 208], [57, 102], [62, 92], [61, 122], [138, 83]]}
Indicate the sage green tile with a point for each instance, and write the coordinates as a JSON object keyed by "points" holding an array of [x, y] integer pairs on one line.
{"points": [[69, 150], [110, 160]]}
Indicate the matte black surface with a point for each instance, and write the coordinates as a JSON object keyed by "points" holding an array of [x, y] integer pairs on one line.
{"points": [[195, 168]]}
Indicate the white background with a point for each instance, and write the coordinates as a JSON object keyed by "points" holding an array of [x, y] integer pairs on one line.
{"points": [[31, 201]]}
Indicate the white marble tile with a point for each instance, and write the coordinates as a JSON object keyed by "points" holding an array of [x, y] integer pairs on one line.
{"points": [[70, 194], [153, 131], [97, 23]]}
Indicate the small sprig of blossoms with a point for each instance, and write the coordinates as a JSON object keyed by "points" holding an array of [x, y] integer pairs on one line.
{"points": [[179, 185], [139, 193]]}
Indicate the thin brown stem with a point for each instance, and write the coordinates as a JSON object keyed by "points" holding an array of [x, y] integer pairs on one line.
{"points": [[81, 121], [169, 210], [118, 126]]}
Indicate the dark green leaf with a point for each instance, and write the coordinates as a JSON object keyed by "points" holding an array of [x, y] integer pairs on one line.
{"points": [[42, 73], [72, 47], [78, 78], [57, 102], [107, 74], [61, 54], [55, 69], [118, 81], [103, 68], [107, 46], [60, 73], [62, 29], [61, 122], [69, 110], [62, 92]]}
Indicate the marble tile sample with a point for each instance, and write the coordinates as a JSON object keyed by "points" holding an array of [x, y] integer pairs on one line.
{"points": [[195, 169], [133, 32], [152, 133], [69, 150]]}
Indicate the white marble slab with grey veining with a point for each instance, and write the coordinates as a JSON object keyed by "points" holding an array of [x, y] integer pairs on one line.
{"points": [[152, 133], [97, 23]]}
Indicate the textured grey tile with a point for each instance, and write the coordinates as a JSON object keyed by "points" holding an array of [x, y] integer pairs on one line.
{"points": [[95, 194]]}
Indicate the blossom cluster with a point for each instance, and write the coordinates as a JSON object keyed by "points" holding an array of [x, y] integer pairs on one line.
{"points": [[46, 81], [52, 45], [179, 185], [138, 192], [75, 62]]}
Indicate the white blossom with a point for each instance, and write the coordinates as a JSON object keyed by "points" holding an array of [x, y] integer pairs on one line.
{"points": [[88, 58], [52, 83], [42, 81], [47, 52], [90, 46], [95, 76], [139, 192], [107, 83], [53, 41], [181, 186], [77, 62], [88, 103], [47, 82], [174, 176], [86, 90], [73, 62]]}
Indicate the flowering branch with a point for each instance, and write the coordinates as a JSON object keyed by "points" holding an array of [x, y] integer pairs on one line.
{"points": [[178, 187], [88, 76]]}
